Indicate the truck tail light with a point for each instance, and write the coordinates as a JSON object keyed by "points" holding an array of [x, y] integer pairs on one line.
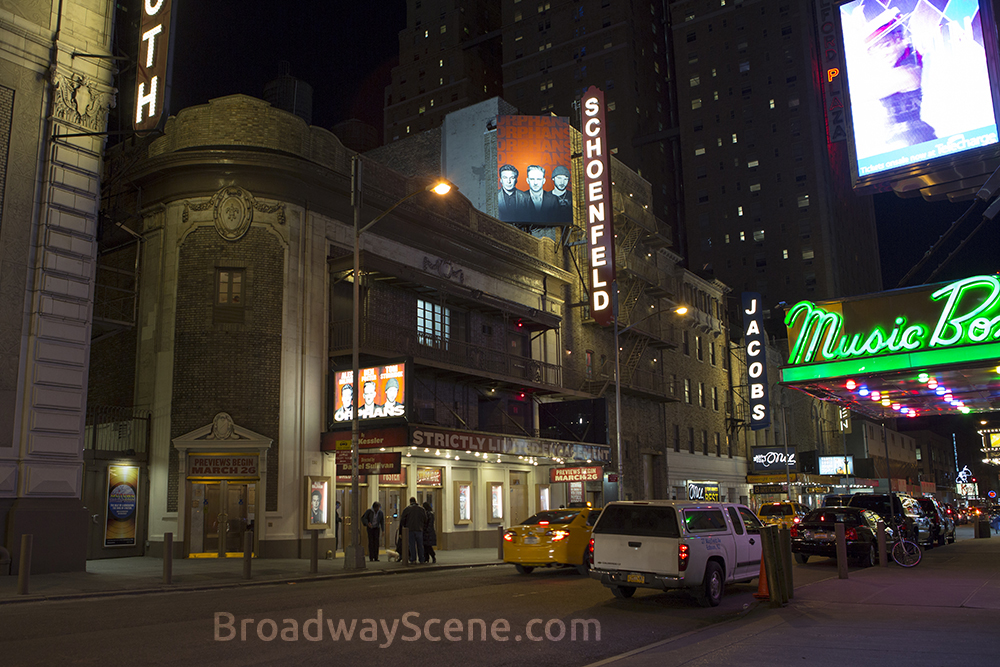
{"points": [[851, 533], [795, 531], [683, 556]]}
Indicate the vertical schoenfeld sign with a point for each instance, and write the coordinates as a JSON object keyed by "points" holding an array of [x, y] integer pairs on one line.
{"points": [[756, 344], [597, 203]]}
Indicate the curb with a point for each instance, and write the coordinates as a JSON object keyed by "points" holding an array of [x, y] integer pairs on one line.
{"points": [[56, 597]]}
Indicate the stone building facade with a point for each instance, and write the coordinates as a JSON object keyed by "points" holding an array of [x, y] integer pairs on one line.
{"points": [[56, 79]]}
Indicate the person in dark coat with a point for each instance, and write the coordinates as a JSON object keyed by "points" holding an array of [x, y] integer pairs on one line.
{"points": [[430, 535], [414, 519], [374, 520]]}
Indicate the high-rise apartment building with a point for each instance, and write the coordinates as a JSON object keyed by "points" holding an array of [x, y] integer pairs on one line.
{"points": [[449, 58], [551, 53], [769, 207]]}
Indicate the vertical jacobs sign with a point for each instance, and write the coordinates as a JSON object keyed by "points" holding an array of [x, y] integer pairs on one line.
{"points": [[755, 342], [597, 203], [151, 72]]}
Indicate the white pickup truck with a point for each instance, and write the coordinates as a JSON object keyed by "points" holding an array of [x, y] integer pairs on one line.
{"points": [[664, 544]]}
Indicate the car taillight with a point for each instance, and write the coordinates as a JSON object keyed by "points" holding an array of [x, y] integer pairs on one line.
{"points": [[797, 519], [590, 547], [508, 535], [851, 533], [795, 531], [683, 556], [559, 535]]}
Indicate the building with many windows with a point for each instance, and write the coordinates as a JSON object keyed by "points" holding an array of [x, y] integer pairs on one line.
{"points": [[244, 322]]}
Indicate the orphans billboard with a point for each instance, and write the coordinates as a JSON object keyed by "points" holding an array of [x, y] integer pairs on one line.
{"points": [[919, 82], [533, 171], [383, 393]]}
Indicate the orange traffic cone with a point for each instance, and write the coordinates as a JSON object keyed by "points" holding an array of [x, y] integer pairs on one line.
{"points": [[762, 591]]}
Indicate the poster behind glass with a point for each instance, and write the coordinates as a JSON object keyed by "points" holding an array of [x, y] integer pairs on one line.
{"points": [[918, 82], [123, 499], [382, 395], [534, 177], [317, 502]]}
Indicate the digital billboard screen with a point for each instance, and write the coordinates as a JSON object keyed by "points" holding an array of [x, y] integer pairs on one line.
{"points": [[383, 393], [534, 173], [918, 82]]}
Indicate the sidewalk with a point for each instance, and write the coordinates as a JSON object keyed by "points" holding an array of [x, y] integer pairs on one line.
{"points": [[130, 576], [944, 611]]}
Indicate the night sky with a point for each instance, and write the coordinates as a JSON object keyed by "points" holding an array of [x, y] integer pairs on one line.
{"points": [[344, 50]]}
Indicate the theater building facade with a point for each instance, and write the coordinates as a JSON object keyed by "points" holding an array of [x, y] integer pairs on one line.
{"points": [[484, 389]]}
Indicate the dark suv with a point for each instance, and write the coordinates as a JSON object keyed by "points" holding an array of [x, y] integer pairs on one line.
{"points": [[905, 510], [942, 525]]}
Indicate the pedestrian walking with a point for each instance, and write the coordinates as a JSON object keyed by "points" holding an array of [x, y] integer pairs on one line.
{"points": [[414, 519], [374, 520], [430, 534]]}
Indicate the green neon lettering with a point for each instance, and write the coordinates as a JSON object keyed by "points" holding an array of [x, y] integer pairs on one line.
{"points": [[970, 314], [913, 337], [952, 323], [815, 321]]}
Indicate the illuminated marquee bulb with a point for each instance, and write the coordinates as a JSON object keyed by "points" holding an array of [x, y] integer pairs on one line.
{"points": [[940, 391], [876, 396], [923, 377], [864, 391], [896, 406], [851, 385], [886, 402]]}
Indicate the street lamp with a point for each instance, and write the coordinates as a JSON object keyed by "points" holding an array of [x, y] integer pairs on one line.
{"points": [[440, 187], [680, 310]]}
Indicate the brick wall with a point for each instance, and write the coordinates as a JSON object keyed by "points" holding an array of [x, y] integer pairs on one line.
{"points": [[232, 368]]}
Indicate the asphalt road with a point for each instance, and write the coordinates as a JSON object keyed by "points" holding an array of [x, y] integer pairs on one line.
{"points": [[418, 618]]}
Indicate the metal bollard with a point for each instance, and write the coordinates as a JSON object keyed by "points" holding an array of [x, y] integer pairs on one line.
{"points": [[314, 552], [404, 555], [247, 554], [841, 532], [785, 545], [769, 552], [24, 570], [168, 558], [883, 559], [500, 542]]}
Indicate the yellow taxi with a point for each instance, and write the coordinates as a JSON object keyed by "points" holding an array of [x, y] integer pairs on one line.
{"points": [[552, 538], [782, 514]]}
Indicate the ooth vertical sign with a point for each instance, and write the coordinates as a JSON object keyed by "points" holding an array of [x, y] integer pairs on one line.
{"points": [[756, 343], [152, 69], [597, 203]]}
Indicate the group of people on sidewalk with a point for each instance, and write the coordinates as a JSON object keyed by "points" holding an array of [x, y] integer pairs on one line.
{"points": [[418, 520]]}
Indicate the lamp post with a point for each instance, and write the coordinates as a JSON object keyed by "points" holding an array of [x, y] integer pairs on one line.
{"points": [[680, 310], [354, 557]]}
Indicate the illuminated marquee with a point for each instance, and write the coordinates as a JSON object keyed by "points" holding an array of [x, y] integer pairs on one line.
{"points": [[755, 342], [833, 90], [151, 71], [967, 313], [597, 202]]}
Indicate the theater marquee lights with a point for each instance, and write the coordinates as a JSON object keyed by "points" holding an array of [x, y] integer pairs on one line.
{"points": [[152, 68], [597, 201], [959, 314]]}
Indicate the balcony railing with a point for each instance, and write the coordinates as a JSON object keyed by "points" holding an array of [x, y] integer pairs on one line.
{"points": [[394, 340], [117, 429]]}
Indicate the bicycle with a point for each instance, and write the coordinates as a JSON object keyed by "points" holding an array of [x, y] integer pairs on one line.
{"points": [[905, 552]]}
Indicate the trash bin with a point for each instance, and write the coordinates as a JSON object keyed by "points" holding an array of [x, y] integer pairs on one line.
{"points": [[982, 528]]}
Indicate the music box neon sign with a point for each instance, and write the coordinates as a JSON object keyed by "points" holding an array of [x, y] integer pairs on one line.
{"points": [[969, 313]]}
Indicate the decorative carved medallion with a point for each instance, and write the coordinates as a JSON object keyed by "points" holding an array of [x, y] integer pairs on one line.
{"points": [[445, 269], [223, 428], [81, 101], [233, 209]]}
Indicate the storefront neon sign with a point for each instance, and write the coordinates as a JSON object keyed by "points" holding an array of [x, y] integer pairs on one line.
{"points": [[970, 314]]}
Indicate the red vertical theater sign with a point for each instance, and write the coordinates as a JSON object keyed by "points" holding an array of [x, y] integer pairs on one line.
{"points": [[152, 69], [597, 203]]}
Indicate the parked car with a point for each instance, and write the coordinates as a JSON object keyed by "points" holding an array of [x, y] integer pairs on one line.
{"points": [[815, 535], [551, 538], [783, 514], [942, 525], [676, 544], [904, 509]]}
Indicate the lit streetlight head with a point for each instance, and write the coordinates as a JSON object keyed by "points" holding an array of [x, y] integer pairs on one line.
{"points": [[440, 188], [681, 310]]}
